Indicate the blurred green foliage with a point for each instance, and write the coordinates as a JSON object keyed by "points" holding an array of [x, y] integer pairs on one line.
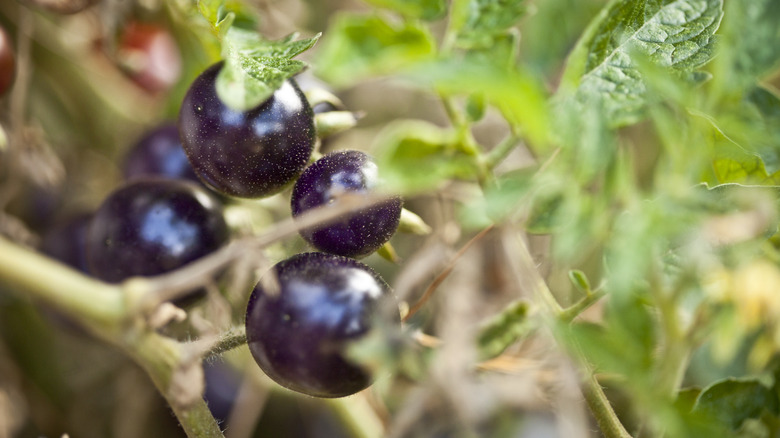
{"points": [[651, 144]]}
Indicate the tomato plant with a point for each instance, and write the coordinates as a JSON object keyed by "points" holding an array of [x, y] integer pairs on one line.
{"points": [[574, 205]]}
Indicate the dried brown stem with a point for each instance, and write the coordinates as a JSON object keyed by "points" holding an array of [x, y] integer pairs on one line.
{"points": [[444, 274]]}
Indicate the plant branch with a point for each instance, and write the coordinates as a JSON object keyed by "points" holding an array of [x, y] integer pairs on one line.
{"points": [[501, 150], [356, 413], [162, 359], [101, 308], [599, 405], [568, 314], [96, 305], [233, 338], [675, 349]]}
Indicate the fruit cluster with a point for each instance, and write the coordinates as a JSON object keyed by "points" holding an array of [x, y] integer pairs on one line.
{"points": [[169, 212]]}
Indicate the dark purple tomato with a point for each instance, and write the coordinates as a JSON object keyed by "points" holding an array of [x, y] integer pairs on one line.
{"points": [[222, 386], [66, 241], [299, 335], [360, 233], [159, 153], [248, 154], [149, 227], [7, 62]]}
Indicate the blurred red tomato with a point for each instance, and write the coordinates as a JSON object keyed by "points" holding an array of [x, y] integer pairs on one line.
{"points": [[150, 56], [7, 62]]}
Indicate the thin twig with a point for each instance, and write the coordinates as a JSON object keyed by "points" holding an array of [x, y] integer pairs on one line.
{"points": [[501, 150], [444, 274], [233, 338], [568, 314], [175, 284], [548, 161]]}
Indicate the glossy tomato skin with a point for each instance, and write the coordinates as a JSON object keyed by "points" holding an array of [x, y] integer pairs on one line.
{"points": [[298, 336], [360, 233], [159, 153], [222, 384], [249, 154], [153, 226]]}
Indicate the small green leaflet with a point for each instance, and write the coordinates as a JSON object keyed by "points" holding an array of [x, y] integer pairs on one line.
{"points": [[580, 280], [255, 68], [479, 22], [215, 13], [358, 47], [732, 401], [210, 9], [425, 9], [674, 34], [504, 329]]}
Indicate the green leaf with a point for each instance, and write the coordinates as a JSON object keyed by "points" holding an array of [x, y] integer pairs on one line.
{"points": [[579, 280], [632, 321], [359, 47], [518, 95], [544, 216], [521, 194], [761, 126], [732, 401], [686, 399], [747, 170], [608, 351], [210, 9], [504, 329], [674, 34], [546, 49], [415, 156], [626, 344], [502, 52], [486, 20], [425, 9], [254, 67], [218, 15], [733, 162], [475, 107], [751, 46]]}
